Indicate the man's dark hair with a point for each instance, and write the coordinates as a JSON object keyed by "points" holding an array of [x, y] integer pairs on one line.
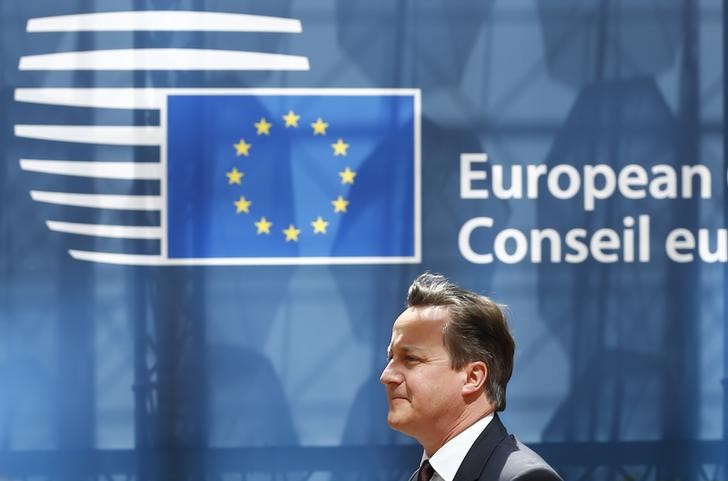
{"points": [[476, 331]]}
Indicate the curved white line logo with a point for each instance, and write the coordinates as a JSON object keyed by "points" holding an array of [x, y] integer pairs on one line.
{"points": [[337, 218]]}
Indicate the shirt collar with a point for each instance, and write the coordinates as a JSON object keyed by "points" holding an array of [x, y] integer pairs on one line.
{"points": [[449, 457]]}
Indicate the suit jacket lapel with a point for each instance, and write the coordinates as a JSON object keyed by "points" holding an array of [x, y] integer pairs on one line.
{"points": [[481, 451]]}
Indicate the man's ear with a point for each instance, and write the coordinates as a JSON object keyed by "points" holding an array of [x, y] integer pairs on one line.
{"points": [[476, 373]]}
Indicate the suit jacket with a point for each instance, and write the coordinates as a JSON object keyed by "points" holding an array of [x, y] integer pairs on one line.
{"points": [[498, 456]]}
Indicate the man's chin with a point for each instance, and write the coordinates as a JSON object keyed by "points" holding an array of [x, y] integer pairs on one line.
{"points": [[397, 421]]}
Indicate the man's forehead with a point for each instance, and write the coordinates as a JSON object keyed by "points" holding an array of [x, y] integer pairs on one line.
{"points": [[422, 315], [418, 324]]}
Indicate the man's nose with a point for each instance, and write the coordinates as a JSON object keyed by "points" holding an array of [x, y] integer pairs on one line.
{"points": [[390, 375]]}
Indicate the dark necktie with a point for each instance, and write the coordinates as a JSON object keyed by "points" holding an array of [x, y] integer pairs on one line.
{"points": [[426, 471]]}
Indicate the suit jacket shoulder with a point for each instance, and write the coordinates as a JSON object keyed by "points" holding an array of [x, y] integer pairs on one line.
{"points": [[498, 456]]}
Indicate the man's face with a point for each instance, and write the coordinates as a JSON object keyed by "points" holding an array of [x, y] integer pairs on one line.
{"points": [[424, 392]]}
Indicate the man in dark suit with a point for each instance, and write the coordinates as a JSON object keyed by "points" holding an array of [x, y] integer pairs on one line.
{"points": [[450, 358]]}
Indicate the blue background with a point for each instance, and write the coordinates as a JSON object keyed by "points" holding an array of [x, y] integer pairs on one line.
{"points": [[272, 372]]}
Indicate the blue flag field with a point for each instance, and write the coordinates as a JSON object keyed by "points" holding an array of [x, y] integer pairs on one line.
{"points": [[283, 178]]}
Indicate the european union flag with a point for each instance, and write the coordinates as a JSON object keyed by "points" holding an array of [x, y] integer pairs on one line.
{"points": [[303, 176]]}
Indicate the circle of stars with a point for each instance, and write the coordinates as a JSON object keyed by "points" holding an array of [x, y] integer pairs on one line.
{"points": [[243, 148]]}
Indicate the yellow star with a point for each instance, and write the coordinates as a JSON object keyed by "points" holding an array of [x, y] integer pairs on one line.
{"points": [[291, 119], [234, 176], [242, 148], [340, 204], [319, 226], [263, 226], [340, 147], [347, 176], [262, 127], [319, 127], [292, 233], [242, 205]]}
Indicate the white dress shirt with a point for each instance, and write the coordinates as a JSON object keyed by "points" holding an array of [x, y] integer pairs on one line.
{"points": [[449, 457]]}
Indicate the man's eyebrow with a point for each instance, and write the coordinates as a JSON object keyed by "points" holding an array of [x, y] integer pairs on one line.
{"points": [[409, 349]]}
